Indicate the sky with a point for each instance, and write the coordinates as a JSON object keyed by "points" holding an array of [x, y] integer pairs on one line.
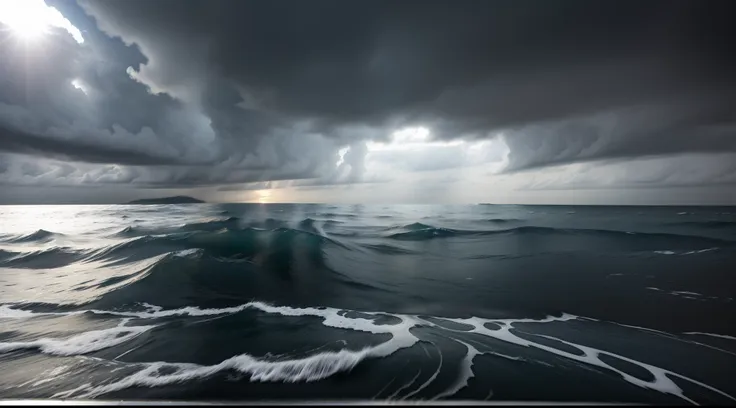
{"points": [[368, 101]]}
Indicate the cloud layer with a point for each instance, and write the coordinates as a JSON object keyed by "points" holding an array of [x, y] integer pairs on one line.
{"points": [[214, 93]]}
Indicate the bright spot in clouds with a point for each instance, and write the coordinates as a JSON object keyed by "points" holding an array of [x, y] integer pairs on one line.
{"points": [[341, 153], [79, 85], [413, 150], [410, 139], [263, 196], [31, 19], [411, 135]]}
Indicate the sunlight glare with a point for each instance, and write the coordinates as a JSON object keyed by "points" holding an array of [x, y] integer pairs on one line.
{"points": [[263, 196], [31, 19]]}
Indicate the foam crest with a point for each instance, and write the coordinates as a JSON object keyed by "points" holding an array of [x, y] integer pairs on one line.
{"points": [[40, 235], [8, 312], [192, 253], [83, 343], [312, 368], [697, 251], [324, 364], [684, 294], [720, 336], [590, 355]]}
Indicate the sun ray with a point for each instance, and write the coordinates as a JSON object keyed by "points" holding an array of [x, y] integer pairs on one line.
{"points": [[32, 19]]}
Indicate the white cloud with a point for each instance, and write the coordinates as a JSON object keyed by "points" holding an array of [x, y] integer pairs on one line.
{"points": [[32, 19]]}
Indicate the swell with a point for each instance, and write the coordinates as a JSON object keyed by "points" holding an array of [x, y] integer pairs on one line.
{"points": [[214, 265], [210, 226], [388, 249], [40, 235], [48, 258], [337, 215], [712, 224], [223, 242], [138, 244], [231, 223], [504, 220], [247, 243], [419, 232]]}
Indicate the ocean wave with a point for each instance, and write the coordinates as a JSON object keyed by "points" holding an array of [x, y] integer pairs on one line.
{"points": [[80, 344], [325, 364], [418, 231], [337, 215], [222, 242], [211, 225], [720, 336], [427, 233], [388, 249], [228, 263], [127, 232], [712, 224], [693, 252], [686, 294], [503, 220], [40, 236], [151, 267], [49, 258]]}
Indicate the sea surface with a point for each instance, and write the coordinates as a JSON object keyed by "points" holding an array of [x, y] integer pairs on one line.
{"points": [[333, 302]]}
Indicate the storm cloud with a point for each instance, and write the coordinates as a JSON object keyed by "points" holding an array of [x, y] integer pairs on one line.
{"points": [[219, 93]]}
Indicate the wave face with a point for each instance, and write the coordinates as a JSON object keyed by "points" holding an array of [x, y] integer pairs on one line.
{"points": [[239, 302]]}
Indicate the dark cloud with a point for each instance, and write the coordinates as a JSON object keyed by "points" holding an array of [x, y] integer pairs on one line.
{"points": [[466, 70], [192, 93]]}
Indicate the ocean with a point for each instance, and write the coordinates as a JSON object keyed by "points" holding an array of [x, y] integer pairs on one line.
{"points": [[232, 302]]}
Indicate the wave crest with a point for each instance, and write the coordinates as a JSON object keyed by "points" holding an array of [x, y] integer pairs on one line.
{"points": [[40, 235]]}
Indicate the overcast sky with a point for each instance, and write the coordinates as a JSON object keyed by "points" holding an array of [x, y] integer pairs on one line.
{"points": [[368, 101]]}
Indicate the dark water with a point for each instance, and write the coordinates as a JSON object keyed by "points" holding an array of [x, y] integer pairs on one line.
{"points": [[234, 302]]}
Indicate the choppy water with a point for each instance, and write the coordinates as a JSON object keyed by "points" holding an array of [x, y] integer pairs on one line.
{"points": [[235, 302]]}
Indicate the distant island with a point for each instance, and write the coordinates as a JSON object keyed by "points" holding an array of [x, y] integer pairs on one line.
{"points": [[168, 200]]}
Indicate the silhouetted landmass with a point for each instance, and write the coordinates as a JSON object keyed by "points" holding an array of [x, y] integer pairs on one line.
{"points": [[168, 200]]}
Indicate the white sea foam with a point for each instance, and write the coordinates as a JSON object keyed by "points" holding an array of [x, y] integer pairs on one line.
{"points": [[385, 387], [192, 253], [83, 343], [312, 368], [6, 312], [722, 336], [51, 375], [46, 376], [665, 334], [405, 386], [697, 251], [591, 356], [430, 379], [324, 364], [684, 292], [466, 372]]}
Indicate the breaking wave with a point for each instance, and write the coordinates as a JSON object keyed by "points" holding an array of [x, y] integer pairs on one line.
{"points": [[475, 334]]}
